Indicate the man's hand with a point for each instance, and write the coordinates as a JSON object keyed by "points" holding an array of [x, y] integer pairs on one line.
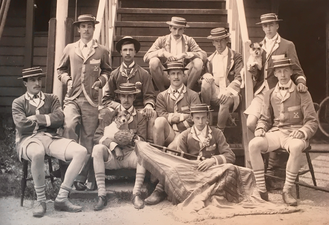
{"points": [[224, 97], [118, 153], [205, 164], [175, 118], [208, 78], [301, 87], [260, 132], [96, 85], [32, 118], [181, 56], [148, 111], [297, 134], [169, 56]]}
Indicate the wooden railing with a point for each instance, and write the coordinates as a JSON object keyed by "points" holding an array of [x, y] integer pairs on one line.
{"points": [[240, 42], [106, 15]]}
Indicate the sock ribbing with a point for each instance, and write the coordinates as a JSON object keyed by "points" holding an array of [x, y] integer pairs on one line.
{"points": [[41, 194], [100, 180], [260, 180], [290, 180]]}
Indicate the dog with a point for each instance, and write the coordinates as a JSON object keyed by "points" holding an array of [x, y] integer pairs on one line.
{"points": [[119, 123], [254, 64]]}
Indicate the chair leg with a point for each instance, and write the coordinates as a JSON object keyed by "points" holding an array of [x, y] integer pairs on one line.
{"points": [[23, 181], [310, 166], [50, 165], [297, 187]]}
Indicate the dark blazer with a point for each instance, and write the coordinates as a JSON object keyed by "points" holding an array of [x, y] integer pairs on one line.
{"points": [[281, 47]]}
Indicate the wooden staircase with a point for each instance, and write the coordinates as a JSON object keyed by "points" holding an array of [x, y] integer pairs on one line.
{"points": [[145, 20]]}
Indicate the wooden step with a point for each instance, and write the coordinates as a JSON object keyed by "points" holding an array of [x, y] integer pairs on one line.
{"points": [[152, 24], [171, 11]]}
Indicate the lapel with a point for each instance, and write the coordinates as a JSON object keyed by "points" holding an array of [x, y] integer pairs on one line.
{"points": [[181, 96], [42, 100], [210, 62], [287, 95], [167, 43], [184, 43], [230, 61], [275, 47], [77, 50], [33, 103], [196, 138]]}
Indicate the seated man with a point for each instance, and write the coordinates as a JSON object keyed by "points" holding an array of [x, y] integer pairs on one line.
{"points": [[172, 107], [130, 72], [221, 85], [175, 47], [107, 154], [288, 121], [202, 141], [37, 116]]}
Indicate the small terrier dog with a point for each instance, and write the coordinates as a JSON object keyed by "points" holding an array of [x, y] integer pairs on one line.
{"points": [[119, 122], [255, 59]]}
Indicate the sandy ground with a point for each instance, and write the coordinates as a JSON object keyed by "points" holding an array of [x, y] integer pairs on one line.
{"points": [[313, 207]]}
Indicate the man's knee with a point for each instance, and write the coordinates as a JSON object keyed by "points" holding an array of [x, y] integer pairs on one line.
{"points": [[160, 123], [256, 145], [35, 152], [77, 150], [197, 64], [296, 147], [98, 151], [154, 63]]}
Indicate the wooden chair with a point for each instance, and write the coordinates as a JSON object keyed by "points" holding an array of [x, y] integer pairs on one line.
{"points": [[310, 168], [25, 177]]}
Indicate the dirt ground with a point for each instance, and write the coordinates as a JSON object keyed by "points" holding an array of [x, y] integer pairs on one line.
{"points": [[313, 207]]}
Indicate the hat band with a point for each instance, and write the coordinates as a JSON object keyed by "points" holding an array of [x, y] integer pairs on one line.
{"points": [[179, 23], [31, 72], [218, 34], [282, 65]]}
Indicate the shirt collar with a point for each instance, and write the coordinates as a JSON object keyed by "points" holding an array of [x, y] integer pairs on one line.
{"points": [[128, 66], [131, 110], [285, 85], [267, 40], [224, 53], [179, 89], [173, 39], [201, 132], [89, 44], [32, 96]]}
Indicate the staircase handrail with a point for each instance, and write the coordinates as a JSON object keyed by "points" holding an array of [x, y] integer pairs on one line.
{"points": [[4, 7], [106, 15], [240, 42]]}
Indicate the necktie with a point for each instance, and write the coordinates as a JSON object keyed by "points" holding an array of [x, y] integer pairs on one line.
{"points": [[283, 88]]}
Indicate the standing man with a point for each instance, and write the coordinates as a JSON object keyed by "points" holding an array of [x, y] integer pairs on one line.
{"points": [[130, 72], [84, 69], [221, 84], [37, 117], [172, 107], [108, 154], [175, 47], [288, 120]]}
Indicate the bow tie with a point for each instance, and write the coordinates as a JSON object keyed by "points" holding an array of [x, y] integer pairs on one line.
{"points": [[283, 88], [175, 91], [35, 96]]}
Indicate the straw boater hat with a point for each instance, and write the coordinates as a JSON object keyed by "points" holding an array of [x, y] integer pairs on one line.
{"points": [[130, 39], [268, 18], [85, 18], [127, 88], [278, 63], [177, 22], [200, 108], [175, 66], [218, 33], [32, 72]]}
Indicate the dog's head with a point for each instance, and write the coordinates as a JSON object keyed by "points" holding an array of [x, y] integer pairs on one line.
{"points": [[256, 49], [121, 117]]}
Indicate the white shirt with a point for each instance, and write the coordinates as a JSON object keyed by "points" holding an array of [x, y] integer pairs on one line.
{"points": [[176, 46], [219, 69], [201, 134], [269, 44], [36, 100], [284, 91], [85, 50]]}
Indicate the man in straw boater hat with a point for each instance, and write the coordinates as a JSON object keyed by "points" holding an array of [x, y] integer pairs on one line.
{"points": [[37, 117], [221, 84], [175, 46], [130, 72], [108, 153], [172, 107], [274, 46], [288, 120], [84, 68], [201, 142]]}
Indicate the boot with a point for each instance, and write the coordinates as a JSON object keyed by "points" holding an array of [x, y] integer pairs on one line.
{"points": [[67, 206], [288, 198], [137, 201], [155, 197], [102, 202], [40, 209]]}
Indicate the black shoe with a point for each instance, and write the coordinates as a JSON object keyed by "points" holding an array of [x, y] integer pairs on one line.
{"points": [[79, 186], [137, 201], [264, 195], [155, 197], [102, 202], [289, 199], [67, 206], [40, 209]]}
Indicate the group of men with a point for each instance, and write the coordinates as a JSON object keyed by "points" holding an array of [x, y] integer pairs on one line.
{"points": [[177, 117]]}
